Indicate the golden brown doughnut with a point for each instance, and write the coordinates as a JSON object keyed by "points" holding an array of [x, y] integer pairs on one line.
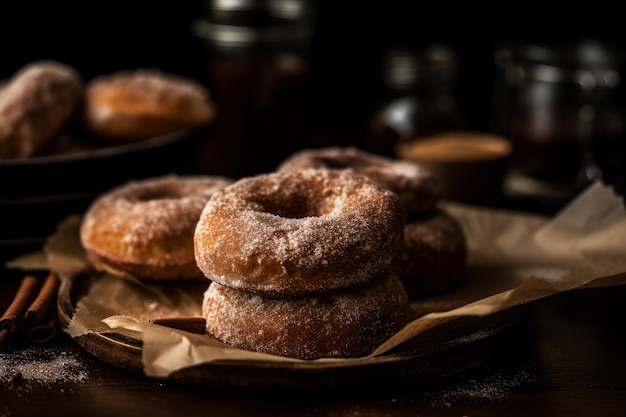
{"points": [[145, 227], [433, 256], [36, 105], [293, 233], [349, 323], [417, 188], [143, 103]]}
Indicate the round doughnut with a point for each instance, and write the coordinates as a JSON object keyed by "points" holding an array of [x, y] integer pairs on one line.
{"points": [[36, 105], [145, 227], [142, 103], [417, 188], [294, 233], [350, 323], [433, 255]]}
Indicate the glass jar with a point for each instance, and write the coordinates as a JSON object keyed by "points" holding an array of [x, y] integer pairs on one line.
{"points": [[564, 117], [419, 98], [258, 68]]}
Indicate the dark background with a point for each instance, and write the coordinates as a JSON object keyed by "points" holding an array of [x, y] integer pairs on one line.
{"points": [[348, 43], [347, 47], [99, 37]]}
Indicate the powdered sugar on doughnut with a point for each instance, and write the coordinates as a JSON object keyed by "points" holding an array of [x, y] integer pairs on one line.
{"points": [[416, 186], [293, 233]]}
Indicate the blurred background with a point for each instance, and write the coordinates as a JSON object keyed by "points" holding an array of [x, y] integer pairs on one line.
{"points": [[345, 62]]}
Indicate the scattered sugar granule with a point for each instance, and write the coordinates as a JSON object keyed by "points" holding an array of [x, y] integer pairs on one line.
{"points": [[36, 366], [492, 387]]}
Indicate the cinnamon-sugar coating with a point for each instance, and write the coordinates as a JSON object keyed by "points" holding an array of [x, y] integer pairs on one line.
{"points": [[142, 103], [36, 105], [287, 234], [433, 255], [416, 186], [349, 323], [145, 227]]}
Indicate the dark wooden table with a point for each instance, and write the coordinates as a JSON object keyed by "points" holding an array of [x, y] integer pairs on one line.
{"points": [[564, 358]]}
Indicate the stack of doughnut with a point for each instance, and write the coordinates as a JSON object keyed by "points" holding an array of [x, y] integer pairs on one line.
{"points": [[433, 253], [144, 228], [299, 264]]}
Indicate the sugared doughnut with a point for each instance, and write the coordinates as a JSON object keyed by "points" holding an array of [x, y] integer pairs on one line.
{"points": [[417, 188], [293, 233], [348, 323], [433, 256], [143, 103], [145, 227], [36, 105]]}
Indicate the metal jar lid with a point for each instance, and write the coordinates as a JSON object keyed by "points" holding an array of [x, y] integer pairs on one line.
{"points": [[588, 64], [245, 22], [405, 68]]}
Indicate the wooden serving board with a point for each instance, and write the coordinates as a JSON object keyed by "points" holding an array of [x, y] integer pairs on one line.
{"points": [[442, 351]]}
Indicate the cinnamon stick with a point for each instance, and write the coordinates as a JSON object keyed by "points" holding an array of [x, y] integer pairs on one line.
{"points": [[32, 312], [25, 295], [6, 340], [44, 304], [43, 331], [189, 324]]}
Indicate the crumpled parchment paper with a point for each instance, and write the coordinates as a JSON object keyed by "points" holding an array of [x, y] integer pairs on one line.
{"points": [[514, 258]]}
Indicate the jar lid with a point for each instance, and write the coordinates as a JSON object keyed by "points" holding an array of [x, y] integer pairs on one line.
{"points": [[578, 54], [405, 67], [589, 63], [254, 21]]}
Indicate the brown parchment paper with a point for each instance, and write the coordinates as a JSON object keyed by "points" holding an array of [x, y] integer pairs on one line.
{"points": [[514, 258]]}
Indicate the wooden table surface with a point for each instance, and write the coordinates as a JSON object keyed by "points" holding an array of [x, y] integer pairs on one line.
{"points": [[564, 358]]}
